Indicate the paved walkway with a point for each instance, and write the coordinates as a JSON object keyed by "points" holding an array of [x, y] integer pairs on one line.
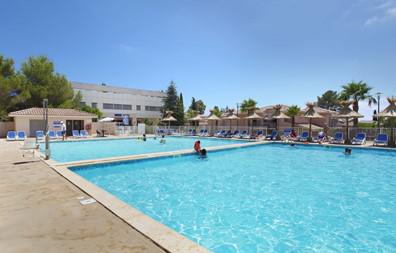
{"points": [[40, 212]]}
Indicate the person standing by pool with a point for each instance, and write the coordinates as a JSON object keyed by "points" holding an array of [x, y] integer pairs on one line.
{"points": [[197, 146], [63, 130]]}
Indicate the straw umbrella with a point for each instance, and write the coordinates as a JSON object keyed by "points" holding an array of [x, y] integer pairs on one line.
{"points": [[169, 119], [231, 117], [213, 117], [279, 115], [347, 113], [252, 117], [390, 112], [310, 113], [196, 119]]}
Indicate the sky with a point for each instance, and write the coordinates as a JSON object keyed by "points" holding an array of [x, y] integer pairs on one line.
{"points": [[220, 51]]}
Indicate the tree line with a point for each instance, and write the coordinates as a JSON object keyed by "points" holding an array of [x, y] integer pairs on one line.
{"points": [[35, 80]]}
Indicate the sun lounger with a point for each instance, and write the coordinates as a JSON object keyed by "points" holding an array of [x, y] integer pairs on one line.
{"points": [[39, 135], [259, 134], [338, 138], [76, 134], [52, 134], [21, 136], [319, 138], [245, 135], [381, 140], [272, 136], [286, 133], [29, 146], [11, 136], [59, 134], [220, 133], [359, 139], [83, 133], [235, 134], [304, 136]]}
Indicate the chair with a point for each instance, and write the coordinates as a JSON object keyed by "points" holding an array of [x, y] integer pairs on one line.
{"points": [[286, 133], [193, 132], [304, 136], [11, 136], [59, 134], [245, 135], [83, 133], [259, 134], [39, 135], [272, 135], [205, 133], [235, 134], [21, 136], [52, 134], [29, 145], [359, 139], [220, 133], [338, 138], [201, 132], [76, 134], [381, 140]]}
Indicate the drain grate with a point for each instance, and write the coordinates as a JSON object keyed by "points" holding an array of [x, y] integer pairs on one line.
{"points": [[87, 201]]}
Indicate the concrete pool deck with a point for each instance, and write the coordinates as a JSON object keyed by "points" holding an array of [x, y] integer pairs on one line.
{"points": [[40, 212]]}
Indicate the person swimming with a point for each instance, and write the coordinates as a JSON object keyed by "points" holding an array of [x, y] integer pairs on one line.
{"points": [[202, 154], [163, 141], [144, 137], [348, 151], [197, 146]]}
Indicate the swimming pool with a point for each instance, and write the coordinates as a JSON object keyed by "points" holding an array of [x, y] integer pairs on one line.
{"points": [[69, 151], [268, 198]]}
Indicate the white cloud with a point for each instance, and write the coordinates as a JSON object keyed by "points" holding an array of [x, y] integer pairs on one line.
{"points": [[385, 12]]}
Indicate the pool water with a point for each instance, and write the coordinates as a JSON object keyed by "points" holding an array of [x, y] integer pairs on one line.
{"points": [[94, 149], [268, 198]]}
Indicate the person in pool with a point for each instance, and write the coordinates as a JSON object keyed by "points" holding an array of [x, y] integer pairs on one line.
{"points": [[348, 151], [202, 154], [197, 146], [144, 137], [163, 141]]}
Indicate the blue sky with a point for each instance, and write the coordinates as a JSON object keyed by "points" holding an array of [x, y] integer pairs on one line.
{"points": [[221, 51]]}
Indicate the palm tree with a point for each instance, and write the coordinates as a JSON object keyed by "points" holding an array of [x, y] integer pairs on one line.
{"points": [[248, 105], [356, 92], [292, 112]]}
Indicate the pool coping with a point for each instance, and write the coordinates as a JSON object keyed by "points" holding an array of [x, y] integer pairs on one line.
{"points": [[163, 236]]}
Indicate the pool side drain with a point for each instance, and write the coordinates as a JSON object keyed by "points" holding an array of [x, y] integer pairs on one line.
{"points": [[87, 201]]}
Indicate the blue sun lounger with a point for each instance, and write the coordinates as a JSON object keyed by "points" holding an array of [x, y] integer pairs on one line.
{"points": [[21, 136], [304, 136], [11, 136], [52, 134], [359, 139], [381, 140], [245, 135], [76, 134], [235, 134], [83, 133], [39, 135], [338, 138], [272, 136], [59, 134]]}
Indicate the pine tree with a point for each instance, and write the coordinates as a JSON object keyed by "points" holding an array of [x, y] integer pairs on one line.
{"points": [[179, 112], [170, 100]]}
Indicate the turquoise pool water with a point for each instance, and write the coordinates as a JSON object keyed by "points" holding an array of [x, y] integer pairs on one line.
{"points": [[93, 149], [270, 198]]}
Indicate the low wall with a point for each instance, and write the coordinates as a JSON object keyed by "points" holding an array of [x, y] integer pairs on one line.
{"points": [[5, 127]]}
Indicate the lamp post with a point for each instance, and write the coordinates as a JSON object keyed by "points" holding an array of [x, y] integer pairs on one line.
{"points": [[45, 114], [378, 104]]}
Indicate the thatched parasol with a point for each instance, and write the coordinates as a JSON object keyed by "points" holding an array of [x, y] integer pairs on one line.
{"points": [[310, 113], [347, 113], [389, 112], [252, 117], [231, 117]]}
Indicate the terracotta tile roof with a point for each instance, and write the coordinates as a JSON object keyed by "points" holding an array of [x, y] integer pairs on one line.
{"points": [[36, 111]]}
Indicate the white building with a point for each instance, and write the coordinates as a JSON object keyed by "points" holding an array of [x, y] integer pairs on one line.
{"points": [[117, 102]]}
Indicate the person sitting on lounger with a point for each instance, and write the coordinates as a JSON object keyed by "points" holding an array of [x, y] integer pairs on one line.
{"points": [[197, 147], [293, 134]]}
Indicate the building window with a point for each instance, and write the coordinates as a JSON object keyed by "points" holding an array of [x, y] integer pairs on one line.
{"points": [[138, 108], [82, 103], [108, 106], [127, 107], [153, 108], [94, 105], [117, 106]]}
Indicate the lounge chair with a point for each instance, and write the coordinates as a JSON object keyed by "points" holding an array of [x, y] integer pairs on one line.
{"points": [[11, 136], [52, 134], [220, 133], [245, 135], [39, 135], [205, 132], [21, 136], [381, 140], [272, 136], [286, 133], [235, 134], [304, 136], [259, 134], [319, 138], [83, 133], [194, 132], [29, 146], [359, 139], [338, 138], [76, 134], [59, 134], [201, 132]]}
